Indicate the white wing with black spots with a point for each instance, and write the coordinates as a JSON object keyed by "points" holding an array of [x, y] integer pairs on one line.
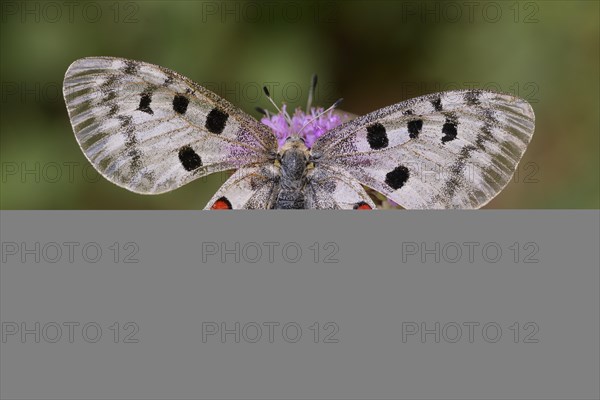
{"points": [[150, 130], [248, 188], [454, 149]]}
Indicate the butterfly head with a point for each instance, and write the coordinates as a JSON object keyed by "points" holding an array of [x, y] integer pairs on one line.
{"points": [[295, 142]]}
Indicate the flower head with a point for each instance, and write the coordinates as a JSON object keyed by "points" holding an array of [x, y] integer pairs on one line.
{"points": [[311, 125]]}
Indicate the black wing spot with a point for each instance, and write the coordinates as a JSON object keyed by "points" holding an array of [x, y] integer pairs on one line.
{"points": [[449, 131], [145, 100], [180, 104], [397, 177], [414, 128], [216, 120], [377, 136], [190, 160], [437, 104]]}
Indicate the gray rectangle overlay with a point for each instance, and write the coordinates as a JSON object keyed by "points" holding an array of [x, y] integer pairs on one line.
{"points": [[390, 305]]}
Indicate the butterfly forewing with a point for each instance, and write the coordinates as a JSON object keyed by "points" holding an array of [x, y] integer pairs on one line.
{"points": [[454, 149], [151, 130]]}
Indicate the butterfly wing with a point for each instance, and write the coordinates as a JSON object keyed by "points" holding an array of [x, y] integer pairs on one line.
{"points": [[150, 130], [248, 188], [326, 189], [455, 149]]}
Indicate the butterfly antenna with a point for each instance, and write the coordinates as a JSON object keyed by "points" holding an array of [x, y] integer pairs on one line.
{"points": [[285, 115], [311, 92], [334, 105], [262, 111]]}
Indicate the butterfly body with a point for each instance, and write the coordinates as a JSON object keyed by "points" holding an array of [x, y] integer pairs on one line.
{"points": [[293, 163], [151, 130]]}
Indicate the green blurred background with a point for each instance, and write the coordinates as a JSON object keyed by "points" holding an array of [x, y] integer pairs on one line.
{"points": [[371, 53]]}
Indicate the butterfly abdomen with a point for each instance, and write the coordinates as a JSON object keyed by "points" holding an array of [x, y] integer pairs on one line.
{"points": [[289, 200]]}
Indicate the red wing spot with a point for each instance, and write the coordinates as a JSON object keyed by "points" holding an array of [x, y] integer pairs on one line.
{"points": [[362, 206], [222, 203]]}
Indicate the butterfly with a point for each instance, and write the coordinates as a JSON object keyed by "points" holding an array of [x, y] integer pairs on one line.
{"points": [[151, 130]]}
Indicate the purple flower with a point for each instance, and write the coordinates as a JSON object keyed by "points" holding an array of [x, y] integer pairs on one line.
{"points": [[315, 126]]}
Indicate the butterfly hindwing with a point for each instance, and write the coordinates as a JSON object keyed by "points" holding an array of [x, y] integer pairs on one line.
{"points": [[151, 130], [326, 189], [257, 187], [248, 188], [454, 149]]}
